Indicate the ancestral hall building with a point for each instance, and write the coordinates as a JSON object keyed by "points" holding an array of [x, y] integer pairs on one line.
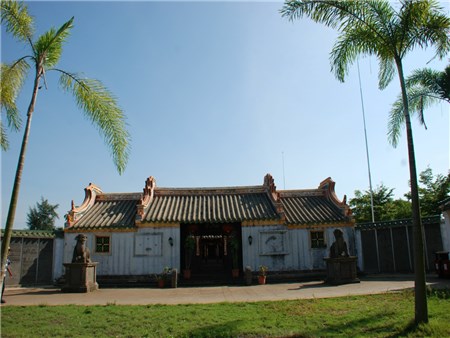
{"points": [[137, 234]]}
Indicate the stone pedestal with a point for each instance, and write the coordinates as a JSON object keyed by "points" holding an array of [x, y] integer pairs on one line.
{"points": [[80, 277], [341, 270]]}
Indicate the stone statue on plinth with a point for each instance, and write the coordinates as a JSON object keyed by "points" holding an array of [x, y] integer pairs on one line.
{"points": [[339, 247], [81, 253], [81, 274], [341, 267]]}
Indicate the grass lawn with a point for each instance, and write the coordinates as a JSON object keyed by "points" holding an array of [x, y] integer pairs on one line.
{"points": [[386, 315]]}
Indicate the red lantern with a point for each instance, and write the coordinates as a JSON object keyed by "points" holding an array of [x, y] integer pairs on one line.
{"points": [[227, 228]]}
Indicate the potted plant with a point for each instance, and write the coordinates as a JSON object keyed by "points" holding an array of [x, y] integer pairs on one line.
{"points": [[262, 274], [189, 246], [160, 280], [234, 246], [164, 277]]}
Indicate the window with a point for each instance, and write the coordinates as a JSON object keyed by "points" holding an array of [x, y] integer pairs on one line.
{"points": [[102, 244], [317, 239]]}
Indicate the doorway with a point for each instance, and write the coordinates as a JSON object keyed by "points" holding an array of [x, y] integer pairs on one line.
{"points": [[208, 251]]}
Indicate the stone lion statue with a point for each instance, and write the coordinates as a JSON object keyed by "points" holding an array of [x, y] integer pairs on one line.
{"points": [[81, 252], [339, 247]]}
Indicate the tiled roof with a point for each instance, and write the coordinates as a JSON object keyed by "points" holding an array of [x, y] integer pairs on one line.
{"points": [[214, 205], [115, 211], [310, 207], [208, 205], [33, 233]]}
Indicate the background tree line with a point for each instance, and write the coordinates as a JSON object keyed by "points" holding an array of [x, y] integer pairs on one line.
{"points": [[432, 190]]}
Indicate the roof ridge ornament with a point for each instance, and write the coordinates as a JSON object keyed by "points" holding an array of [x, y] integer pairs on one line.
{"points": [[90, 194], [146, 199], [269, 183], [327, 185]]}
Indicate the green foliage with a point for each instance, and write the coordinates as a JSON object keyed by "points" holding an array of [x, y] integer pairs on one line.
{"points": [[234, 246], [42, 217], [385, 315], [432, 191], [262, 271], [385, 207], [425, 87], [17, 21], [374, 27], [98, 104], [48, 47], [11, 81]]}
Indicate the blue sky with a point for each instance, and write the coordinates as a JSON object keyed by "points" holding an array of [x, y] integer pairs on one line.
{"points": [[215, 93]]}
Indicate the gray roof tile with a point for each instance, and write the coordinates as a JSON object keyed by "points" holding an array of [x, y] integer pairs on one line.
{"points": [[114, 213], [310, 208], [210, 205], [213, 206]]}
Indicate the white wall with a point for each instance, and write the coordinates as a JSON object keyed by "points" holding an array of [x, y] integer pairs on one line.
{"points": [[148, 251], [298, 252], [125, 258], [58, 257]]}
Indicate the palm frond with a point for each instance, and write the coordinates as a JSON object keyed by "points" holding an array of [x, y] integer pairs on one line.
{"points": [[350, 43], [419, 98], [4, 143], [386, 72], [424, 24], [331, 13], [101, 107], [48, 47], [12, 77], [17, 21], [437, 82], [364, 26]]}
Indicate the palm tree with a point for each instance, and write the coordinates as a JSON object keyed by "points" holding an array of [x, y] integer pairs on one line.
{"points": [[425, 87], [374, 27], [91, 96], [11, 81]]}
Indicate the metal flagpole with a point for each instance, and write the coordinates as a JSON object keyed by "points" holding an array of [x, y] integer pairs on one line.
{"points": [[284, 180], [367, 145]]}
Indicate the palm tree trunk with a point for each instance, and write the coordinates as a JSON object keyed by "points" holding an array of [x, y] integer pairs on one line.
{"points": [[421, 307], [18, 178]]}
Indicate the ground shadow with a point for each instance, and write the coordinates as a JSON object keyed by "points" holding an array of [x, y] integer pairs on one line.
{"points": [[320, 284]]}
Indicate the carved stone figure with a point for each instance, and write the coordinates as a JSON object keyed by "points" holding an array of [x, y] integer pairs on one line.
{"points": [[339, 247], [81, 253]]}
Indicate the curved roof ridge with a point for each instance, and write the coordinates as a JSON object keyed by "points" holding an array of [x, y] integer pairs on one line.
{"points": [[119, 196], [211, 190]]}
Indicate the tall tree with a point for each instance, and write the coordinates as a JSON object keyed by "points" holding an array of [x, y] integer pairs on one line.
{"points": [[432, 191], [425, 87], [42, 216], [374, 27], [385, 207], [95, 100]]}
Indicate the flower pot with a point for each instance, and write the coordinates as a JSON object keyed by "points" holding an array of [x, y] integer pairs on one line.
{"points": [[187, 274], [235, 273], [161, 283], [262, 280]]}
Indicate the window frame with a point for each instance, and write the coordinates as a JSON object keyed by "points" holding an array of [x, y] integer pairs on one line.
{"points": [[314, 241], [102, 245]]}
